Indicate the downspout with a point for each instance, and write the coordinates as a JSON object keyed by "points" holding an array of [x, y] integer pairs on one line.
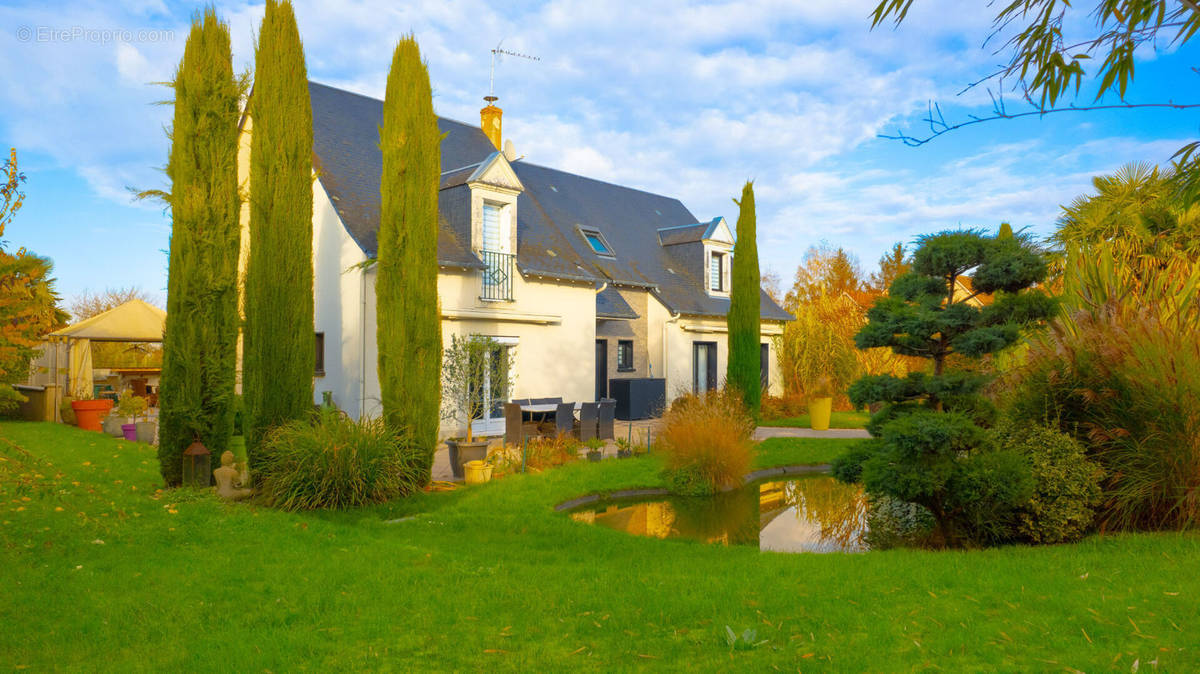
{"points": [[362, 346], [666, 369], [602, 288]]}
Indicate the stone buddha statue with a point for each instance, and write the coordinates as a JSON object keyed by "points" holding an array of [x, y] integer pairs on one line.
{"points": [[229, 480]]}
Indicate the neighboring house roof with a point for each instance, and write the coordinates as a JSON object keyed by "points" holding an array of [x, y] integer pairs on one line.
{"points": [[610, 304], [966, 288], [551, 209]]}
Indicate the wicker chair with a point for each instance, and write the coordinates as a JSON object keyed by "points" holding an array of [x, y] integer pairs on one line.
{"points": [[513, 431], [588, 414], [608, 411], [564, 418]]}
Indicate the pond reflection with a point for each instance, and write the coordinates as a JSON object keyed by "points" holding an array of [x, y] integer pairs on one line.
{"points": [[803, 514]]}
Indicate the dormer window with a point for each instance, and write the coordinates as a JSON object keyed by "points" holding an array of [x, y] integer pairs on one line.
{"points": [[716, 272], [596, 241]]}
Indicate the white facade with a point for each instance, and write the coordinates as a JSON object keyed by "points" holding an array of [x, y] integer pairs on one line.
{"points": [[550, 324]]}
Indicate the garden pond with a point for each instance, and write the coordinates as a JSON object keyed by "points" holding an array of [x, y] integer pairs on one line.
{"points": [[810, 513]]}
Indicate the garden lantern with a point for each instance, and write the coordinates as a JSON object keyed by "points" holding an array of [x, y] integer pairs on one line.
{"points": [[197, 465]]}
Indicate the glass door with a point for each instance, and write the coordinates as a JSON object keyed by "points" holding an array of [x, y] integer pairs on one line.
{"points": [[496, 387]]}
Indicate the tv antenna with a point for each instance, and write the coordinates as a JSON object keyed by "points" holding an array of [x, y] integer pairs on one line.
{"points": [[496, 54]]}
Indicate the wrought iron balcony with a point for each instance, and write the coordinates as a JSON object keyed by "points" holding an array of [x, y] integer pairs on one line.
{"points": [[497, 275]]}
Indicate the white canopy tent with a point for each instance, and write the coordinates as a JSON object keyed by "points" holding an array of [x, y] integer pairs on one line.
{"points": [[133, 321]]}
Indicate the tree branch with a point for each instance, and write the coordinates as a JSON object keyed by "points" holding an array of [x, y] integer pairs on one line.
{"points": [[939, 126]]}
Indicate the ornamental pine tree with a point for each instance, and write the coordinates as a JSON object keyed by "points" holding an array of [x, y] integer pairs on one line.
{"points": [[278, 339], [928, 447], [200, 341], [744, 371], [409, 331]]}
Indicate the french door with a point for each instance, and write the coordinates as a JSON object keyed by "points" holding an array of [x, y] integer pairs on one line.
{"points": [[496, 387], [704, 366]]}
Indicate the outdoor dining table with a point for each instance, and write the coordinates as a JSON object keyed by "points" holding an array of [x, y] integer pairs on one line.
{"points": [[546, 408]]}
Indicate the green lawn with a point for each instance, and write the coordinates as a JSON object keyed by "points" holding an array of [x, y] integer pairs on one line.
{"points": [[103, 572], [780, 451], [836, 420]]}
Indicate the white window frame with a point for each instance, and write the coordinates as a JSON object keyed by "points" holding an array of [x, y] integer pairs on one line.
{"points": [[726, 269]]}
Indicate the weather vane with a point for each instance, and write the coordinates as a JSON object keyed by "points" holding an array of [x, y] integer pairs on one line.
{"points": [[496, 53]]}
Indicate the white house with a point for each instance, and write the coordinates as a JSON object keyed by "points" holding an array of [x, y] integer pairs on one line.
{"points": [[584, 281]]}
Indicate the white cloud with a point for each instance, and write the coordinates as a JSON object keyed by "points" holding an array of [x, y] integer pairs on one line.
{"points": [[682, 98]]}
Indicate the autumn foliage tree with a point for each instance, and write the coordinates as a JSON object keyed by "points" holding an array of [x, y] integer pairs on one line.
{"points": [[28, 303]]}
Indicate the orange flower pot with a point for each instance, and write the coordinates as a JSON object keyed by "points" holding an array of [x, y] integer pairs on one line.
{"points": [[88, 413]]}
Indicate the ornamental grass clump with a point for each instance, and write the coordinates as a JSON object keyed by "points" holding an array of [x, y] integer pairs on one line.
{"points": [[1120, 371], [707, 441], [333, 461]]}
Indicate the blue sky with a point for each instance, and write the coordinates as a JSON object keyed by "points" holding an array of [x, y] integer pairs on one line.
{"points": [[684, 99]]}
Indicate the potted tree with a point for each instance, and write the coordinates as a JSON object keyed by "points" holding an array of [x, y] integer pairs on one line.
{"points": [[130, 407], [112, 424], [147, 427], [464, 374]]}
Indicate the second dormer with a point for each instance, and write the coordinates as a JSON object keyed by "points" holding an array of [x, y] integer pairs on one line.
{"points": [[709, 246]]}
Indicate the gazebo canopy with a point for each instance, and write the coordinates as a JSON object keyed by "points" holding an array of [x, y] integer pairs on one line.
{"points": [[133, 321]]}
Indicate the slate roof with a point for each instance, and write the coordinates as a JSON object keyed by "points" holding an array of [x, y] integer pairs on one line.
{"points": [[549, 212], [610, 304], [679, 234]]}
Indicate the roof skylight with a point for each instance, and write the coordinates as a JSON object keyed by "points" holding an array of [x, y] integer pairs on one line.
{"points": [[596, 241]]}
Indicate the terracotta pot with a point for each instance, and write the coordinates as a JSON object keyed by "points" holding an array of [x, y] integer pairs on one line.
{"points": [[88, 413], [130, 432]]}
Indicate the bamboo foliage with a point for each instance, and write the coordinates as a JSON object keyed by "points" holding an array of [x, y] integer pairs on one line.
{"points": [[409, 332], [200, 341], [278, 347]]}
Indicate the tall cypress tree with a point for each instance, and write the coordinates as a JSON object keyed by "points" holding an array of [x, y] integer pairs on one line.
{"points": [[744, 371], [409, 332], [200, 342], [278, 339]]}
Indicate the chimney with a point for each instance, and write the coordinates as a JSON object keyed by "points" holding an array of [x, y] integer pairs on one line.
{"points": [[489, 120]]}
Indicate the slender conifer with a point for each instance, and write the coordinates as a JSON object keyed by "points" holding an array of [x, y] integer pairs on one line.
{"points": [[744, 371], [409, 330], [200, 343], [278, 338]]}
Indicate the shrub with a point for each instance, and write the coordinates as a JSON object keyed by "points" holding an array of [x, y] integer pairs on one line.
{"points": [[707, 441], [539, 454], [332, 461], [1066, 484], [1124, 382], [988, 491], [944, 463], [892, 523], [783, 407]]}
